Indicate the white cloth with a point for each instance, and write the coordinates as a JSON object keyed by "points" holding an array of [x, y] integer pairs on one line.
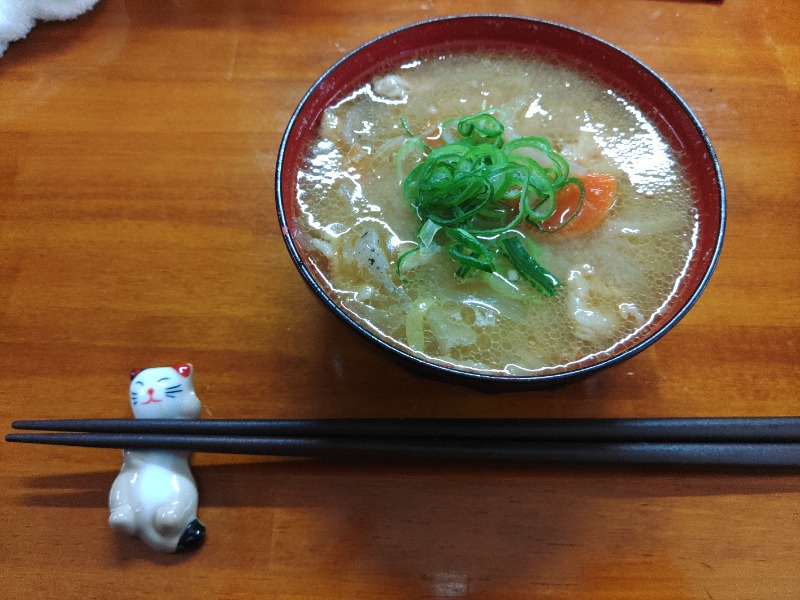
{"points": [[17, 17]]}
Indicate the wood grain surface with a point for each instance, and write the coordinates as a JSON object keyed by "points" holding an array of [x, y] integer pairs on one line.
{"points": [[137, 228]]}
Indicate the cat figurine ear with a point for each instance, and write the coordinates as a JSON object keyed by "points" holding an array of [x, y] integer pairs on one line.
{"points": [[155, 496], [185, 369]]}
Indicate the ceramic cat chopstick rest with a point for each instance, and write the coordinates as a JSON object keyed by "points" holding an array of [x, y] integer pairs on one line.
{"points": [[154, 496]]}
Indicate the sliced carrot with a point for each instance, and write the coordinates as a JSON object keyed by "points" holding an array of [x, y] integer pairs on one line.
{"points": [[601, 193], [433, 137]]}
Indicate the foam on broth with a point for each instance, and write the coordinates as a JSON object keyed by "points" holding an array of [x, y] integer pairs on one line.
{"points": [[354, 223]]}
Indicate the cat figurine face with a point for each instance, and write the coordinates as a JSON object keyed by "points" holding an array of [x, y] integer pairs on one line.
{"points": [[164, 393]]}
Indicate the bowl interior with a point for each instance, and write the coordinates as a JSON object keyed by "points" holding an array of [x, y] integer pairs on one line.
{"points": [[617, 69]]}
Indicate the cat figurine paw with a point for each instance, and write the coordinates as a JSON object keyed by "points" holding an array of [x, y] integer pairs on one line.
{"points": [[155, 496]]}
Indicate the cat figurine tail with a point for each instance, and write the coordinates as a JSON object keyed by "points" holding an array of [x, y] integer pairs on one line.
{"points": [[155, 496]]}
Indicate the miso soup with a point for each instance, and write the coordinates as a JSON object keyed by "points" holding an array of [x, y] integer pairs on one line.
{"points": [[613, 269]]}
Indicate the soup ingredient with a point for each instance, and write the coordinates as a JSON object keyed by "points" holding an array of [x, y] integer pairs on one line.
{"points": [[478, 187], [595, 200], [540, 278]]}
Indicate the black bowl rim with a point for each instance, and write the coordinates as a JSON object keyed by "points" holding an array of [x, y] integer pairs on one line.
{"points": [[485, 380]]}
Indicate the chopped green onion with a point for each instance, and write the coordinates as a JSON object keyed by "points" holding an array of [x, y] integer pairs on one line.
{"points": [[469, 250], [478, 187], [404, 125], [411, 152], [484, 124], [427, 233], [542, 279], [401, 259]]}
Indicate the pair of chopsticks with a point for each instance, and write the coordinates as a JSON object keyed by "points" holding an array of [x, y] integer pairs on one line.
{"points": [[735, 441]]}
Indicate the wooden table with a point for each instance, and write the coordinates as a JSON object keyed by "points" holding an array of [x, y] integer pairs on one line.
{"points": [[137, 228]]}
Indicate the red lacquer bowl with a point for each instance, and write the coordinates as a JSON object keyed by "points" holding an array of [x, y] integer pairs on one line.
{"points": [[620, 71]]}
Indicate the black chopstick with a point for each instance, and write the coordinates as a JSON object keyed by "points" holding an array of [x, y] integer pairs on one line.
{"points": [[746, 430], [742, 441], [643, 453]]}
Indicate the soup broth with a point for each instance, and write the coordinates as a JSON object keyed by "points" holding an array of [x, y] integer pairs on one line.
{"points": [[355, 224]]}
